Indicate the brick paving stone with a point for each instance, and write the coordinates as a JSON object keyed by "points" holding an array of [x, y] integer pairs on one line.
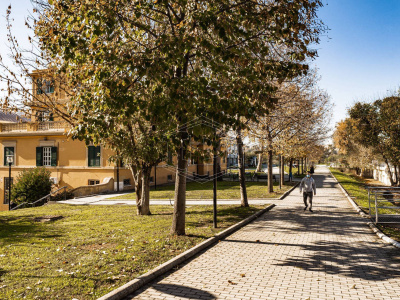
{"points": [[327, 254]]}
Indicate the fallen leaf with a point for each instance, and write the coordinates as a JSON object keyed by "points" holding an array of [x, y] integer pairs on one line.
{"points": [[353, 287], [243, 275], [257, 241], [231, 282]]}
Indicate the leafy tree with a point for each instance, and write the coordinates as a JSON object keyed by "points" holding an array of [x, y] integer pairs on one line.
{"points": [[176, 60], [378, 128], [300, 118], [31, 185]]}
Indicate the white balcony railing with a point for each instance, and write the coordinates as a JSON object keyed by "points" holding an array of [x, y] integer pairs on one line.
{"points": [[42, 126], [14, 127], [51, 125]]}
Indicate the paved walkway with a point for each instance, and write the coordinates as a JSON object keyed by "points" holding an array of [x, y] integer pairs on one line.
{"points": [[291, 254]]}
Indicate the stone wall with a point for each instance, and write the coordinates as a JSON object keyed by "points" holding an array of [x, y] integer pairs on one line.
{"points": [[106, 186]]}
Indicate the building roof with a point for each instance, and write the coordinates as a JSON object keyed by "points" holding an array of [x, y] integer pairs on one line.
{"points": [[11, 118]]}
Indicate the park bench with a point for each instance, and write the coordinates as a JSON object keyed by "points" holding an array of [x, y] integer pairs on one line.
{"points": [[264, 176]]}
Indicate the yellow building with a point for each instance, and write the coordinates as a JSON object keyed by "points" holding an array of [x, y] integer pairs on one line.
{"points": [[42, 141]]}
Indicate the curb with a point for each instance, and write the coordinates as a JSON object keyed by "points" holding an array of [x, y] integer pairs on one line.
{"points": [[364, 215], [135, 284], [288, 192]]}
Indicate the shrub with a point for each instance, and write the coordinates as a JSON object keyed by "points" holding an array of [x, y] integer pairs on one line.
{"points": [[31, 185], [60, 196]]}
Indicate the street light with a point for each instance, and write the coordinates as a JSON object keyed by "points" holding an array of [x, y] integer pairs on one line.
{"points": [[10, 161]]}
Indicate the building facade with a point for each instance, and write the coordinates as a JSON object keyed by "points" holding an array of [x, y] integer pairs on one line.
{"points": [[42, 141]]}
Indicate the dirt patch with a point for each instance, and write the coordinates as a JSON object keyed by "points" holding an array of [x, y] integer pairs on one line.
{"points": [[98, 246], [48, 218]]}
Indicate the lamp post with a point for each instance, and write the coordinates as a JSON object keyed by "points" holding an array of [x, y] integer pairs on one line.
{"points": [[10, 160]]}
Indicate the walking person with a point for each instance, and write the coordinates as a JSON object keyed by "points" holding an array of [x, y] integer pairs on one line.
{"points": [[307, 185], [312, 170]]}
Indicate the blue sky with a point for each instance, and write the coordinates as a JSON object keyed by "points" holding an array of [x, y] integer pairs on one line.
{"points": [[359, 62]]}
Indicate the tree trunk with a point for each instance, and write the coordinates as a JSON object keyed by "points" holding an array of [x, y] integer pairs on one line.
{"points": [[290, 169], [242, 180], [178, 222], [137, 178], [282, 170], [392, 183], [259, 162], [302, 166], [270, 173], [396, 175], [145, 208]]}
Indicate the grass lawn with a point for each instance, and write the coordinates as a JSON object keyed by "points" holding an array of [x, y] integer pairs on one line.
{"points": [[294, 172], [226, 190], [355, 186], [94, 249]]}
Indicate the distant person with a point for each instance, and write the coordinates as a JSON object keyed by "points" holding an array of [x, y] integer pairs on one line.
{"points": [[290, 176], [307, 185], [312, 170]]}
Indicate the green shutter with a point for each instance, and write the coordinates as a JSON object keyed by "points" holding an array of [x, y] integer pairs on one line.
{"points": [[169, 159], [90, 156], [94, 156], [39, 156], [53, 156], [38, 86], [97, 156]]}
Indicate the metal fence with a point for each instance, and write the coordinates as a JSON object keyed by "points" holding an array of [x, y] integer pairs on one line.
{"points": [[42, 200], [384, 204]]}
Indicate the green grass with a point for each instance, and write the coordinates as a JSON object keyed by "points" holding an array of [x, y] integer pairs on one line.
{"points": [[226, 190], [355, 186], [294, 172], [94, 249]]}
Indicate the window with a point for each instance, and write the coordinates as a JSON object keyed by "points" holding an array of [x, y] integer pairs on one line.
{"points": [[151, 179], [9, 152], [169, 177], [43, 116], [46, 156], [127, 182], [44, 86], [94, 156], [93, 181]]}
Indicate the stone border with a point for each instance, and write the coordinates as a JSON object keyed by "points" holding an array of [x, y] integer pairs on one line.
{"points": [[289, 191], [135, 284], [364, 215]]}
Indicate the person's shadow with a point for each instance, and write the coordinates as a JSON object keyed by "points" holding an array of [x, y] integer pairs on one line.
{"points": [[183, 291]]}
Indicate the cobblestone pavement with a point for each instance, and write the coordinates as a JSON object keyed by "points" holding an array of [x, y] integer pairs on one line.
{"points": [[289, 253]]}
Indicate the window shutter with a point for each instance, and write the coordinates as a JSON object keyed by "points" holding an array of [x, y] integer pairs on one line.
{"points": [[53, 156], [39, 156], [97, 158], [90, 156], [169, 159]]}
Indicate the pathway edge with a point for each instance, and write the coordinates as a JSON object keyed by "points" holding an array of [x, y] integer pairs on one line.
{"points": [[375, 229], [289, 191], [138, 282]]}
